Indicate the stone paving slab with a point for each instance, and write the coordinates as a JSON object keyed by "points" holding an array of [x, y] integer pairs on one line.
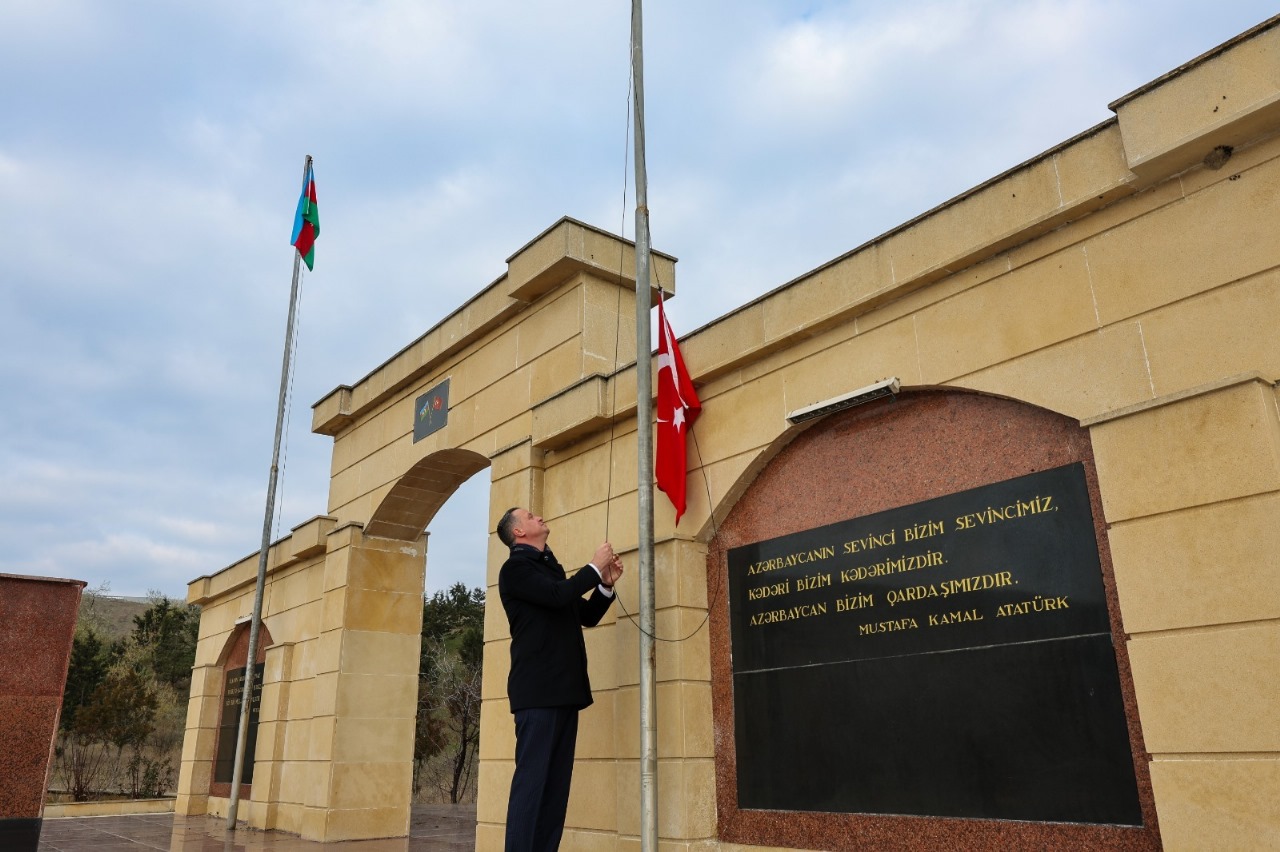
{"points": [[437, 828]]}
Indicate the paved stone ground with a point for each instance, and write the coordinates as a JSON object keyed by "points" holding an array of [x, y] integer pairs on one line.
{"points": [[432, 827]]}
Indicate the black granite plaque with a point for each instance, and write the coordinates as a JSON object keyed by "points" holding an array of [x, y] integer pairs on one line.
{"points": [[20, 834], [232, 700], [949, 658]]}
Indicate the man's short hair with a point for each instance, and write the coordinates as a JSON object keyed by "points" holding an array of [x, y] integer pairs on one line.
{"points": [[506, 525]]}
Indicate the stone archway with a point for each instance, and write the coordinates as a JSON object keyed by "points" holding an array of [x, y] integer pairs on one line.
{"points": [[365, 689]]}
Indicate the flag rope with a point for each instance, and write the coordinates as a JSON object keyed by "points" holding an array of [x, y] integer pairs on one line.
{"points": [[706, 482], [613, 406], [288, 403]]}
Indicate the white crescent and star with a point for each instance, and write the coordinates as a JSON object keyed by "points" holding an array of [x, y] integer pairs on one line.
{"points": [[666, 362]]}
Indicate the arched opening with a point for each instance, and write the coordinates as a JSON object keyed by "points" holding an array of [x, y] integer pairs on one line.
{"points": [[232, 663], [458, 538]]}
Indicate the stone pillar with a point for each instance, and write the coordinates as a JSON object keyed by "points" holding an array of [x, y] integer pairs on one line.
{"points": [[686, 743], [37, 624], [363, 696], [203, 712], [1189, 487], [264, 805]]}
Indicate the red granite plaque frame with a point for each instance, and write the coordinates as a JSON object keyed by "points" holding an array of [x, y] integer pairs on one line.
{"points": [[893, 453], [234, 656]]}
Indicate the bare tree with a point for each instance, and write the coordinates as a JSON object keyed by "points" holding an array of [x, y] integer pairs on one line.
{"points": [[448, 735], [119, 713], [455, 686]]}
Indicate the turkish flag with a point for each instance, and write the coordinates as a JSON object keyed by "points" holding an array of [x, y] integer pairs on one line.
{"points": [[678, 407]]}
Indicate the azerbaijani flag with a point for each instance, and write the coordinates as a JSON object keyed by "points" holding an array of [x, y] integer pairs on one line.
{"points": [[306, 222]]}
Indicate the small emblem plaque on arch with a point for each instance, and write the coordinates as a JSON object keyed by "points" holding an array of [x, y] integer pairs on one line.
{"points": [[431, 411]]}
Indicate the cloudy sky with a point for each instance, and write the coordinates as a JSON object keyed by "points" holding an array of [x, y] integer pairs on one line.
{"points": [[150, 160]]}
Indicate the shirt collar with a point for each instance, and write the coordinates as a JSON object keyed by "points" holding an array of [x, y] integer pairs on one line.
{"points": [[529, 549]]}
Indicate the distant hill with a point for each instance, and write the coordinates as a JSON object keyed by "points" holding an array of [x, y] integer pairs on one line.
{"points": [[111, 618]]}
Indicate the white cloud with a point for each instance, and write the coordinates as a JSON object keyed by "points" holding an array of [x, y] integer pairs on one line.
{"points": [[103, 558], [1041, 31], [193, 530], [43, 482], [29, 27], [828, 63]]}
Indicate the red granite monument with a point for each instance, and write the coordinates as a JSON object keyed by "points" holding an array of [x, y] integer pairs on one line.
{"points": [[37, 623]]}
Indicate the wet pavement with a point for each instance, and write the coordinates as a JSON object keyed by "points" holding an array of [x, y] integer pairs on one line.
{"points": [[432, 827]]}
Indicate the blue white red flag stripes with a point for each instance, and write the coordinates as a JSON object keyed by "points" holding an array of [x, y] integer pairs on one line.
{"points": [[306, 221]]}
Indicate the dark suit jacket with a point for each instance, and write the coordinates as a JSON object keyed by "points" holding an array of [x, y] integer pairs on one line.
{"points": [[547, 612]]}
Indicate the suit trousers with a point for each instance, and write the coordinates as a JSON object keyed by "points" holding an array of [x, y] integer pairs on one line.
{"points": [[545, 741]]}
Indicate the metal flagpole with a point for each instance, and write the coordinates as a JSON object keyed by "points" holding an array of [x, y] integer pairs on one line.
{"points": [[644, 468], [246, 700]]}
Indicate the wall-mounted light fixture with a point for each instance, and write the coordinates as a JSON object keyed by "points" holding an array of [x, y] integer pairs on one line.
{"points": [[879, 390]]}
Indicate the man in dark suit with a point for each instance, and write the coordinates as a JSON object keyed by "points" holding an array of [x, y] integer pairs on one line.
{"points": [[548, 682]]}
